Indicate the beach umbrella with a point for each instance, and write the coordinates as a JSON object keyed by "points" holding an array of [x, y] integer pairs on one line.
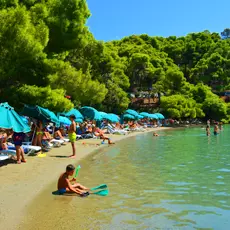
{"points": [[64, 120], [53, 117], [104, 115], [139, 117], [153, 116], [132, 112], [9, 119], [145, 115], [128, 117], [74, 112], [40, 113], [160, 116], [113, 117], [24, 119], [90, 113]]}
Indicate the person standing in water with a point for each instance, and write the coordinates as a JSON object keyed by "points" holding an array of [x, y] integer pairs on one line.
{"points": [[72, 135], [208, 130], [216, 129], [221, 126]]}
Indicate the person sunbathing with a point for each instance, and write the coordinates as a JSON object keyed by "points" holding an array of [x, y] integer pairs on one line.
{"points": [[58, 134], [64, 183], [99, 133]]}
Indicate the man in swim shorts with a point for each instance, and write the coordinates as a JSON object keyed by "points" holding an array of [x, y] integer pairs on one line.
{"points": [[72, 135], [18, 138], [64, 184]]}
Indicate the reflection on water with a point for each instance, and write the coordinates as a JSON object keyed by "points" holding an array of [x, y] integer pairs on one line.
{"points": [[179, 180]]}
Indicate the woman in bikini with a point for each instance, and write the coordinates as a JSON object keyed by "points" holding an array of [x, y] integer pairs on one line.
{"points": [[39, 133]]}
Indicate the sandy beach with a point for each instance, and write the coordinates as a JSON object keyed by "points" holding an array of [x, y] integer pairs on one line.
{"points": [[20, 184]]}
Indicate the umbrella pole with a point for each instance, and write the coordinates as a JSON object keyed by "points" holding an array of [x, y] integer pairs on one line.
{"points": [[33, 134], [53, 130]]}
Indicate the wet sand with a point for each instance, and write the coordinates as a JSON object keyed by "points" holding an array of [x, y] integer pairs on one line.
{"points": [[21, 184]]}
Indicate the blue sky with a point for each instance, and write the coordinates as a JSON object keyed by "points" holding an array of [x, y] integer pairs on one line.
{"points": [[114, 19]]}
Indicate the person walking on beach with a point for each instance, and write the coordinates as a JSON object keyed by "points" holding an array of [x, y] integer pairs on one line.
{"points": [[216, 129], [72, 135], [18, 138]]}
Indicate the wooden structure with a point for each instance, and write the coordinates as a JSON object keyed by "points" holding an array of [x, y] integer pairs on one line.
{"points": [[137, 103]]}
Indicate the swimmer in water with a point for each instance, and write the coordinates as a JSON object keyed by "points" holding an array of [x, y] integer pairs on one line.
{"points": [[216, 129], [155, 134], [65, 186], [208, 130]]}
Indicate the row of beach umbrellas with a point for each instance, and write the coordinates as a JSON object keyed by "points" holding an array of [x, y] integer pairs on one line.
{"points": [[10, 119], [134, 115]]}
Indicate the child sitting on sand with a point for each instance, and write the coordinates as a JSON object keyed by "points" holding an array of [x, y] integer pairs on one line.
{"points": [[65, 186]]}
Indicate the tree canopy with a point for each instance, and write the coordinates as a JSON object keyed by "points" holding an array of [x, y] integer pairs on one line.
{"points": [[47, 52]]}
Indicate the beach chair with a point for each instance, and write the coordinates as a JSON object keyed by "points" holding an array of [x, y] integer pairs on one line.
{"points": [[8, 152], [4, 157]]}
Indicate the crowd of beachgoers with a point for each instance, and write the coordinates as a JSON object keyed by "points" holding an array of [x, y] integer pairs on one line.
{"points": [[39, 130]]}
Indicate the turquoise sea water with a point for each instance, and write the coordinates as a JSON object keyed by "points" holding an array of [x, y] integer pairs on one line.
{"points": [[179, 180]]}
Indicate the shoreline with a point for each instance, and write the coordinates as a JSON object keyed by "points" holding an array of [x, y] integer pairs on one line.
{"points": [[21, 184]]}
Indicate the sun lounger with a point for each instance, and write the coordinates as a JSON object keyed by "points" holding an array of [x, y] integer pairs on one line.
{"points": [[4, 157], [8, 152], [30, 149], [57, 141], [63, 139]]}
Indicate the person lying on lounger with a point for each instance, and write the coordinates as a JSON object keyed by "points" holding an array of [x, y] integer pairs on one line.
{"points": [[64, 183], [99, 133]]}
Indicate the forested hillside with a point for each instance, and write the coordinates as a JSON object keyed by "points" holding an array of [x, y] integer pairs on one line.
{"points": [[47, 52]]}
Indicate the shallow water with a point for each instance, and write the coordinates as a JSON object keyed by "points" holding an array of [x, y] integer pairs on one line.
{"points": [[180, 180]]}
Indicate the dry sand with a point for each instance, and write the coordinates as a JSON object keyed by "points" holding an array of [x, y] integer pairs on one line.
{"points": [[20, 184]]}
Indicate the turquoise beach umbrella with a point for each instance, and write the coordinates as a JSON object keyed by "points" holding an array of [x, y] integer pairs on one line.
{"points": [[40, 113], [128, 117], [24, 119], [74, 112], [132, 112], [113, 117], [153, 116], [9, 119], [53, 117], [104, 115], [145, 115], [139, 117], [90, 113], [160, 116], [64, 120]]}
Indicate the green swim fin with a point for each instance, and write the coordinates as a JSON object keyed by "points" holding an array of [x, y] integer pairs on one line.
{"points": [[102, 186], [101, 193]]}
